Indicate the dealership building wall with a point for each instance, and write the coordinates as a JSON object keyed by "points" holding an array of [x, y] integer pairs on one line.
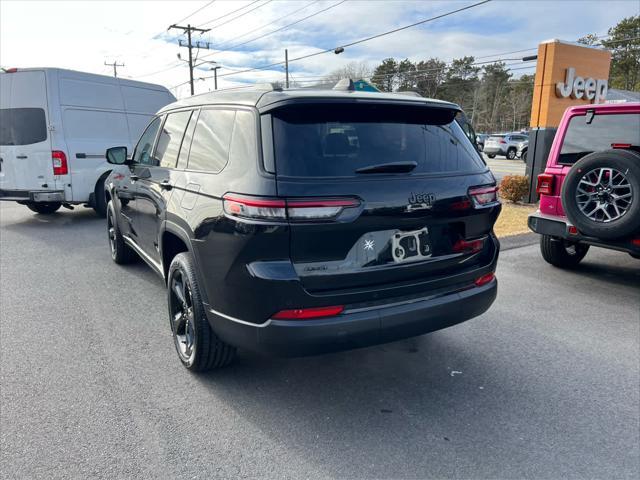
{"points": [[567, 74]]}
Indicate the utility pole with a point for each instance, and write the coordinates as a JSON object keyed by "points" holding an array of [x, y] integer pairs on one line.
{"points": [[115, 66], [188, 30], [286, 67]]}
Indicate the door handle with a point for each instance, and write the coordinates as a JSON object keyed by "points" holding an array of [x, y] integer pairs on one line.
{"points": [[21, 156], [166, 185], [134, 177]]}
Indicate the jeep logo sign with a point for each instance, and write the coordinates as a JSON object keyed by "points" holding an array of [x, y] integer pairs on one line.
{"points": [[578, 87]]}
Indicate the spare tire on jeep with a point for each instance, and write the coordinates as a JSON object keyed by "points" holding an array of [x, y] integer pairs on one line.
{"points": [[601, 194]]}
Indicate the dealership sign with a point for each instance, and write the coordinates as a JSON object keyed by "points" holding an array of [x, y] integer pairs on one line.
{"points": [[582, 88]]}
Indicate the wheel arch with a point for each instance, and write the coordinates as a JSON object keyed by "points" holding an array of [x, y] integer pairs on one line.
{"points": [[173, 240]]}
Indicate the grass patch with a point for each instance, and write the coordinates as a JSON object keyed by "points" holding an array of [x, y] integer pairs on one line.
{"points": [[513, 219]]}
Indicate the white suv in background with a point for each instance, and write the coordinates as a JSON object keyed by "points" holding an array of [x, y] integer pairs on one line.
{"points": [[55, 126], [507, 145]]}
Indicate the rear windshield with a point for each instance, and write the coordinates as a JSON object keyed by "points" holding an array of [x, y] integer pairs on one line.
{"points": [[22, 126], [336, 140], [602, 133]]}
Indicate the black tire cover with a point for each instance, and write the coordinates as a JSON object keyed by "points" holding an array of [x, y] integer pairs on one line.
{"points": [[624, 161]]}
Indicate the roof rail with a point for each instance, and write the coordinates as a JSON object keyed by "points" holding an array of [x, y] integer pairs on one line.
{"points": [[409, 93], [345, 84]]}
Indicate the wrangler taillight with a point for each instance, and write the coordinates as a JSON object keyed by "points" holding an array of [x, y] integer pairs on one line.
{"points": [[484, 196], [545, 184], [59, 160], [292, 209]]}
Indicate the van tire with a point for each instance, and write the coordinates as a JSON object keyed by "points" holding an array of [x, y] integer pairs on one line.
{"points": [[207, 350], [560, 253], [44, 208], [121, 253], [99, 198]]}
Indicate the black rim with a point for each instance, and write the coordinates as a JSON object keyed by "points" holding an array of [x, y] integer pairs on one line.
{"points": [[182, 316], [111, 231]]}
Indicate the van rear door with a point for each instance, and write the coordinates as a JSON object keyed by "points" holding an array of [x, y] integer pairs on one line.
{"points": [[25, 143]]}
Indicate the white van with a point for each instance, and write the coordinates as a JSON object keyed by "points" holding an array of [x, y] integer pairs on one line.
{"points": [[55, 126]]}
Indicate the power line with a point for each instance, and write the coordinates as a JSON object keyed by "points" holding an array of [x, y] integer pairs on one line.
{"points": [[230, 13], [237, 16], [362, 40], [198, 10], [267, 24], [226, 49]]}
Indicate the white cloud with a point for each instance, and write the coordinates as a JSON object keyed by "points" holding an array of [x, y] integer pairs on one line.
{"points": [[82, 35]]}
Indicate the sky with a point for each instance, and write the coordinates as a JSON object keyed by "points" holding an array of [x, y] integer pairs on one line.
{"points": [[83, 35]]}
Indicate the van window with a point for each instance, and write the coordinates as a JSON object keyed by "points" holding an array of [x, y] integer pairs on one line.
{"points": [[142, 153], [211, 139], [170, 138], [22, 126], [336, 140], [583, 138]]}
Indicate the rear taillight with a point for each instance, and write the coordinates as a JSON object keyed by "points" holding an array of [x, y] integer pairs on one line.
{"points": [[503, 141], [636, 242], [308, 313], [545, 184], [484, 279], [484, 196], [59, 160], [293, 209], [468, 246]]}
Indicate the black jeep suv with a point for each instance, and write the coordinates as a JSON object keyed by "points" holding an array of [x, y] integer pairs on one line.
{"points": [[295, 222]]}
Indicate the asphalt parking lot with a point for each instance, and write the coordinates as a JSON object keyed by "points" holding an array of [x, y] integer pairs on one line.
{"points": [[544, 385], [501, 166]]}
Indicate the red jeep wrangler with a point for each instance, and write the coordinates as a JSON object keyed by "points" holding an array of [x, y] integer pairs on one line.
{"points": [[590, 190]]}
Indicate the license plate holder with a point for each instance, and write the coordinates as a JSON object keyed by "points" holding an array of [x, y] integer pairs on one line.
{"points": [[411, 246]]}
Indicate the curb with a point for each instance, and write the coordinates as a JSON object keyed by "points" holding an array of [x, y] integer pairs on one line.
{"points": [[518, 241]]}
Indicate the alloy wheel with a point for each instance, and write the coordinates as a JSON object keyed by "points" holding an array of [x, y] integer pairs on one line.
{"points": [[182, 315], [604, 194], [112, 235]]}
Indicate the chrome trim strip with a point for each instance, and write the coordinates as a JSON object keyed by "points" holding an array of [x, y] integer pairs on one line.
{"points": [[237, 320]]}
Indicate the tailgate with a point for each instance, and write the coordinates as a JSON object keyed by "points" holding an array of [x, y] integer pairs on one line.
{"points": [[407, 172]]}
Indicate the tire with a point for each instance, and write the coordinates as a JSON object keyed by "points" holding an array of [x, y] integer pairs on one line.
{"points": [[199, 348], [45, 208], [491, 155], [99, 198], [523, 156], [597, 212], [561, 253], [511, 153], [121, 253]]}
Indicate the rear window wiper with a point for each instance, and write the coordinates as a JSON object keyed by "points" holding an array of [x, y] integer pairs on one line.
{"points": [[391, 167]]}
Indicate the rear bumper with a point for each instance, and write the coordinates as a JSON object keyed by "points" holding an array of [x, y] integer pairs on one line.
{"points": [[559, 227], [356, 327], [32, 195], [496, 150]]}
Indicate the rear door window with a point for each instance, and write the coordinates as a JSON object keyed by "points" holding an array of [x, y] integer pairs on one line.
{"points": [[22, 126], [170, 138], [600, 134], [211, 140], [336, 140]]}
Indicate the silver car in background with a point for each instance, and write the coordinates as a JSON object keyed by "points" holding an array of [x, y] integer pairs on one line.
{"points": [[508, 145]]}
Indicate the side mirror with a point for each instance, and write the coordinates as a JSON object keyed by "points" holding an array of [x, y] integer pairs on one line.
{"points": [[117, 155]]}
